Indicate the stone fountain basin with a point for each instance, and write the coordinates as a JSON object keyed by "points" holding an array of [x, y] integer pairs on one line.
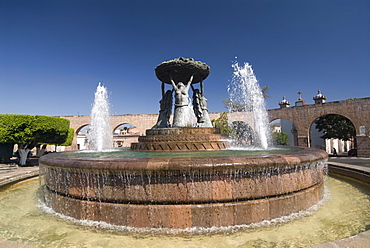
{"points": [[182, 192]]}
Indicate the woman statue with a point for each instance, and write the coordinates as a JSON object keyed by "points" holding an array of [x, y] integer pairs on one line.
{"points": [[200, 107], [182, 116], [197, 107], [165, 110]]}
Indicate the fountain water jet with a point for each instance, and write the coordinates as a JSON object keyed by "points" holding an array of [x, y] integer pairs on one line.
{"points": [[164, 185], [100, 136], [245, 90]]}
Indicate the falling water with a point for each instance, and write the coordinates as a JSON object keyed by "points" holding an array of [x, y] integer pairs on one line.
{"points": [[100, 135], [245, 90]]}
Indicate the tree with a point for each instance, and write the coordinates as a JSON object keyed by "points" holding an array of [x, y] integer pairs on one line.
{"points": [[222, 123], [280, 138], [40, 148], [30, 130], [68, 142], [336, 127]]}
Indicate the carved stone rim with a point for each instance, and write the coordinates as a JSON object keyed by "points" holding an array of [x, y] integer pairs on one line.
{"points": [[182, 163], [181, 69]]}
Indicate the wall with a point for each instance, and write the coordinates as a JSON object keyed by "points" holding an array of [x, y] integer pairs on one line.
{"points": [[356, 110]]}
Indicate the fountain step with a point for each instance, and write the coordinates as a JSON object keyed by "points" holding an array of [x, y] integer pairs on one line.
{"points": [[183, 131], [180, 146], [181, 139]]}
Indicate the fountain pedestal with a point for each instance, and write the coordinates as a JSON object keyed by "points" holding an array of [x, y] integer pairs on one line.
{"points": [[181, 139]]}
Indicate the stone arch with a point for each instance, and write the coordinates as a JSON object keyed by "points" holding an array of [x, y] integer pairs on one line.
{"points": [[339, 112], [141, 122], [79, 140], [299, 120], [329, 144], [81, 127], [124, 138], [76, 122], [121, 124], [288, 127]]}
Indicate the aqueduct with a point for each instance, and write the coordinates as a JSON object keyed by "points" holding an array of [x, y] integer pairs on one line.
{"points": [[356, 110]]}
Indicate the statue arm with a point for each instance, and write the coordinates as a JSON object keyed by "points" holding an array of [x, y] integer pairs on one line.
{"points": [[190, 81], [202, 88], [173, 84]]}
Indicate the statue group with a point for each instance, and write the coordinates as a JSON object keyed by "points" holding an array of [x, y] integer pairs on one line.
{"points": [[174, 72]]}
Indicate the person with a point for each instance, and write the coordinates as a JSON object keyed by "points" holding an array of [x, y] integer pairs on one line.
{"points": [[335, 152]]}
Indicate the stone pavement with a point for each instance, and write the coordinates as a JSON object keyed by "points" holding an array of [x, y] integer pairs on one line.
{"points": [[351, 161], [12, 173]]}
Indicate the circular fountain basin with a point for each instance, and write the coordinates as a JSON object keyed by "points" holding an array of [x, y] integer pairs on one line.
{"points": [[185, 191]]}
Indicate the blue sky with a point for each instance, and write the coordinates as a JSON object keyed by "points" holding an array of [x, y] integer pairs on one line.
{"points": [[53, 53]]}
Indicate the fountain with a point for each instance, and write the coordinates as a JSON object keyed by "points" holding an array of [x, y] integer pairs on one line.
{"points": [[181, 176], [100, 137], [244, 90]]}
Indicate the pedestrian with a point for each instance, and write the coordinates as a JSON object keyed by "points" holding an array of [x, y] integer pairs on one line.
{"points": [[335, 152]]}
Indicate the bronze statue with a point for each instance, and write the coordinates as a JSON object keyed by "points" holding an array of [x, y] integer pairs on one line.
{"points": [[182, 117], [176, 72], [165, 110]]}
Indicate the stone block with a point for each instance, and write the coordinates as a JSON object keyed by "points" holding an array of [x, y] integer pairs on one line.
{"points": [[222, 214]]}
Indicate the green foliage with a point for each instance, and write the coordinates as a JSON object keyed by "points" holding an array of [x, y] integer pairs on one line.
{"points": [[280, 138], [336, 127], [15, 129], [222, 123], [33, 129], [69, 140], [52, 130]]}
